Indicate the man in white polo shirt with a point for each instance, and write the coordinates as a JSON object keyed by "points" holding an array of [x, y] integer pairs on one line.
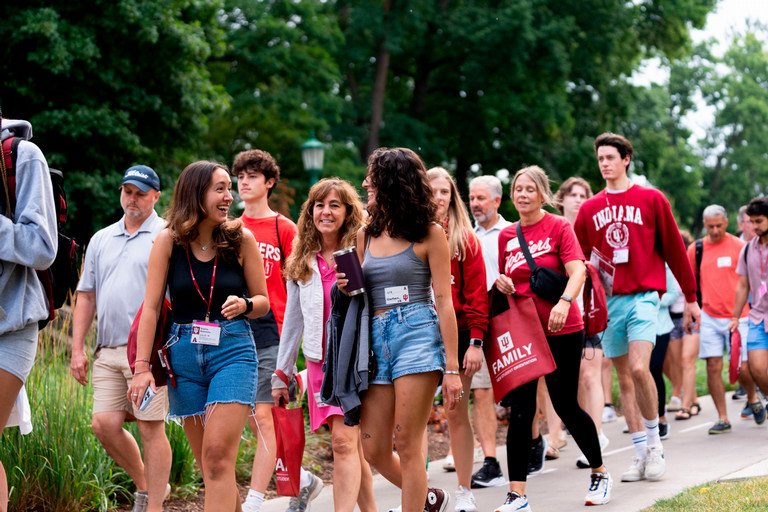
{"points": [[113, 282], [484, 200]]}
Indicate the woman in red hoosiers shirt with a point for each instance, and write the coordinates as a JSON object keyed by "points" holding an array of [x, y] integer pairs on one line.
{"points": [[470, 302], [552, 244]]}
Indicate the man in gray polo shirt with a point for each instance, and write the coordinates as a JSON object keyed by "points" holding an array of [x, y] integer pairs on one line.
{"points": [[113, 282], [484, 201]]}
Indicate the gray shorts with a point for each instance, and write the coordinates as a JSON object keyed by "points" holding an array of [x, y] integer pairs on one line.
{"points": [[17, 351], [482, 379], [267, 365]]}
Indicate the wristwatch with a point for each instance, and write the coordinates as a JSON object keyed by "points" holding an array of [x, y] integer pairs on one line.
{"points": [[476, 342], [566, 297], [248, 305]]}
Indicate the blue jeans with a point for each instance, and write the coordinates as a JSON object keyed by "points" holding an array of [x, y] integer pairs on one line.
{"points": [[207, 374]]}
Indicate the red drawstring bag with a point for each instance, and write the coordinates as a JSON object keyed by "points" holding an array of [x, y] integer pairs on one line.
{"points": [[161, 370], [289, 433], [515, 346], [735, 363], [595, 303]]}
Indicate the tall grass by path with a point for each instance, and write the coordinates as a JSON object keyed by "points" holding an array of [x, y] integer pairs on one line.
{"points": [[61, 466]]}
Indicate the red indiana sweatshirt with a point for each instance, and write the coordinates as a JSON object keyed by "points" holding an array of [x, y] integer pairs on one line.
{"points": [[641, 220], [470, 296]]}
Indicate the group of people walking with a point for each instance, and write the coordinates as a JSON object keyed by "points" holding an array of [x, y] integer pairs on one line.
{"points": [[246, 294]]}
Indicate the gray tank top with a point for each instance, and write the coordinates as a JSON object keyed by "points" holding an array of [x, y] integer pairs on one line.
{"points": [[397, 280]]}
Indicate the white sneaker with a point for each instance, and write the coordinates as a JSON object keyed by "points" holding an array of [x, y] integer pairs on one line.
{"points": [[675, 404], [655, 465], [398, 508], [609, 414], [625, 430], [582, 461], [301, 503], [448, 465], [465, 500], [599, 492], [636, 471], [514, 503], [250, 507], [604, 441]]}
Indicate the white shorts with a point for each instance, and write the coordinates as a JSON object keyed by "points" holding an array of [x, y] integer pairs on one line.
{"points": [[715, 339]]}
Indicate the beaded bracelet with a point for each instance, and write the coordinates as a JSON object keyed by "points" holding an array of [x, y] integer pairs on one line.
{"points": [[141, 361]]}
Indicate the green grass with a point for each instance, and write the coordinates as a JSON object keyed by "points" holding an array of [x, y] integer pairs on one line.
{"points": [[61, 466], [743, 496]]}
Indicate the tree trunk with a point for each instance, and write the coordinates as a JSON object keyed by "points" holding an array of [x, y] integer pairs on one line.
{"points": [[379, 90]]}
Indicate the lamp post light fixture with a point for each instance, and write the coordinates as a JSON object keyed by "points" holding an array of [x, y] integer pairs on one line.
{"points": [[312, 153]]}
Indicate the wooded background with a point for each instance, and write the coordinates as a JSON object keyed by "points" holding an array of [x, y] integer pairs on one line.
{"points": [[475, 86]]}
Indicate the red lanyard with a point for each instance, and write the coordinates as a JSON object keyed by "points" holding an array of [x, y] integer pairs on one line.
{"points": [[626, 193], [194, 281]]}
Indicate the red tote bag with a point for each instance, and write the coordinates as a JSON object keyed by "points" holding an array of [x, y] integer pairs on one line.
{"points": [[289, 433], [160, 371], [516, 349]]}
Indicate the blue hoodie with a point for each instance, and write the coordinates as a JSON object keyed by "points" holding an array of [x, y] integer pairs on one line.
{"points": [[29, 241]]}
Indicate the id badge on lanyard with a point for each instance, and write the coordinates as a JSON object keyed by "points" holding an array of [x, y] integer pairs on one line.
{"points": [[205, 333]]}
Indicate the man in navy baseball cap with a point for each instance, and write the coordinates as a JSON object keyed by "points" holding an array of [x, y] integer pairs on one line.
{"points": [[142, 177]]}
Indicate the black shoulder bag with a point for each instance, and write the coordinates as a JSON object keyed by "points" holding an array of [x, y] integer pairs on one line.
{"points": [[546, 283]]}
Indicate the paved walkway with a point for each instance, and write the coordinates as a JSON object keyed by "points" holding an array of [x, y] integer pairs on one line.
{"points": [[693, 457]]}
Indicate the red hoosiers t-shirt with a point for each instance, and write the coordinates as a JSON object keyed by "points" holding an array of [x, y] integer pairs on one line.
{"points": [[274, 255], [552, 243]]}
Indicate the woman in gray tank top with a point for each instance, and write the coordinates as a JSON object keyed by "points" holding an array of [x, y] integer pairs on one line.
{"points": [[414, 341]]}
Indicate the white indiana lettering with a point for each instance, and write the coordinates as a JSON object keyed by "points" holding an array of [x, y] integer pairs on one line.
{"points": [[512, 356], [617, 213]]}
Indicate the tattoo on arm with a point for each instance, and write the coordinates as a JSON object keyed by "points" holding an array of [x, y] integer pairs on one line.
{"points": [[366, 435], [398, 428]]}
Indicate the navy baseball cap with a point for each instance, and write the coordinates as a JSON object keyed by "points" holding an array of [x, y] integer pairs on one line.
{"points": [[143, 177]]}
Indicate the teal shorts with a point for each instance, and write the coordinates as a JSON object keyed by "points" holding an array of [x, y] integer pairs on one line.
{"points": [[630, 318]]}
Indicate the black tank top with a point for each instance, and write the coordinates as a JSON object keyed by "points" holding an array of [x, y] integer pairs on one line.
{"points": [[187, 304]]}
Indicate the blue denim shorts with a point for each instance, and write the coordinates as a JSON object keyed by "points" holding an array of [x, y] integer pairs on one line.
{"points": [[632, 318], [757, 338], [406, 340], [206, 374]]}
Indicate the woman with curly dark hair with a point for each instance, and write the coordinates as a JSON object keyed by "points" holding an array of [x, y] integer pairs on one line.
{"points": [[405, 255], [213, 269]]}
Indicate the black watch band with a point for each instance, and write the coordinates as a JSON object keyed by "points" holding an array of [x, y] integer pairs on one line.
{"points": [[248, 305]]}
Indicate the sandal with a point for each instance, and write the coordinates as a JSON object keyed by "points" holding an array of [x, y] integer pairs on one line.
{"points": [[552, 453], [683, 414], [695, 409]]}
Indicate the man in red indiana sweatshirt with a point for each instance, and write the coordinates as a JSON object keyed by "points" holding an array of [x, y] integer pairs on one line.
{"points": [[628, 232]]}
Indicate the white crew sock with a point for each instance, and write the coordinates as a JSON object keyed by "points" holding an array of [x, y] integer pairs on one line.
{"points": [[255, 498], [652, 431], [640, 440], [306, 478]]}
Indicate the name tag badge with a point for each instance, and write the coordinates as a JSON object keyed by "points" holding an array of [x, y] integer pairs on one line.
{"points": [[319, 401], [396, 295], [621, 255], [724, 261], [762, 290], [206, 333]]}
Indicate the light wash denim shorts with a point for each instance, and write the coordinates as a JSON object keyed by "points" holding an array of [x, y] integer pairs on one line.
{"points": [[206, 374], [631, 318], [406, 340], [17, 351], [757, 338]]}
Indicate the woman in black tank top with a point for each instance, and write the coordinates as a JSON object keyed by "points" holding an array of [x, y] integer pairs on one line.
{"points": [[402, 213], [214, 271]]}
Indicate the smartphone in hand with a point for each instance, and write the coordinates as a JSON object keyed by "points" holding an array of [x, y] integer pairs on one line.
{"points": [[148, 396]]}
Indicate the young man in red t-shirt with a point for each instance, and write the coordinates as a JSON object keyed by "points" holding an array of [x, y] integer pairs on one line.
{"points": [[628, 232], [257, 176]]}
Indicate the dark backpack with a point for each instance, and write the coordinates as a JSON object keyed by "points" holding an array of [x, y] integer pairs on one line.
{"points": [[595, 303], [61, 276], [699, 253]]}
